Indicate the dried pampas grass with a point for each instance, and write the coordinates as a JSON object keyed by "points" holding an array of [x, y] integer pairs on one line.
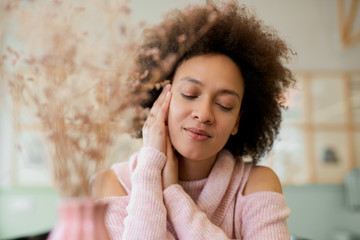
{"points": [[70, 63]]}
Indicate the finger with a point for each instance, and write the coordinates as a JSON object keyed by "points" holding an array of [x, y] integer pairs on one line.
{"points": [[159, 101], [169, 150], [164, 108], [154, 109]]}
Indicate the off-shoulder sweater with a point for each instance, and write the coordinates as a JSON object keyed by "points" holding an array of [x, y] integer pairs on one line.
{"points": [[211, 208]]}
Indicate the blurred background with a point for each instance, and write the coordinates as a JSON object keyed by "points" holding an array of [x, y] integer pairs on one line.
{"points": [[317, 154]]}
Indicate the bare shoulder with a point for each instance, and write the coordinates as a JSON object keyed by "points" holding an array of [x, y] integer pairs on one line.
{"points": [[262, 179], [106, 184]]}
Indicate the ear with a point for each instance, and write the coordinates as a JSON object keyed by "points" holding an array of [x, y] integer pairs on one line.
{"points": [[236, 127]]}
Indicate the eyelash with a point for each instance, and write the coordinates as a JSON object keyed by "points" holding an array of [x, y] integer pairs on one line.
{"points": [[225, 108], [193, 97], [188, 96]]}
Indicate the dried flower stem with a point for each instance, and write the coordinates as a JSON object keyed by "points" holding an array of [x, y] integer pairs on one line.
{"points": [[73, 76], [70, 64]]}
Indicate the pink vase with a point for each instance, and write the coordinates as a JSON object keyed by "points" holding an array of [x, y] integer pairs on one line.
{"points": [[80, 219]]}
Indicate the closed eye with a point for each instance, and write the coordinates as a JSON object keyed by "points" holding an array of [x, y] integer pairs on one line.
{"points": [[188, 96], [227, 109]]}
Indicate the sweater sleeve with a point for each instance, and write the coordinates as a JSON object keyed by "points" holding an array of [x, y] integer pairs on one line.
{"points": [[146, 211], [142, 215], [115, 214], [188, 221], [263, 216]]}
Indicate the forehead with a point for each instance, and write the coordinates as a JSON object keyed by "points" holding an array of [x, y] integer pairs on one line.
{"points": [[215, 69]]}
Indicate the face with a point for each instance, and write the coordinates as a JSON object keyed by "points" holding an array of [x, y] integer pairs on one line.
{"points": [[207, 91]]}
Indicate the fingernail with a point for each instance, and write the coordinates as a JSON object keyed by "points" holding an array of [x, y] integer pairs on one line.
{"points": [[167, 86]]}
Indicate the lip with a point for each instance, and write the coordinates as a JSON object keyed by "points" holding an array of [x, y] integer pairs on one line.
{"points": [[197, 134]]}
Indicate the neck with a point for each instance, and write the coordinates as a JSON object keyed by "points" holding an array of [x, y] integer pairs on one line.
{"points": [[190, 170]]}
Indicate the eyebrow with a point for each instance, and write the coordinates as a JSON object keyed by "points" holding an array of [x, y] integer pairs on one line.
{"points": [[199, 83]]}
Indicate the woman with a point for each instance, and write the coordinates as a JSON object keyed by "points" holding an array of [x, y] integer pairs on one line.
{"points": [[189, 180]]}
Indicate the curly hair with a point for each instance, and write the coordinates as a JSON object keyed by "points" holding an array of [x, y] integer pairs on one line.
{"points": [[234, 31]]}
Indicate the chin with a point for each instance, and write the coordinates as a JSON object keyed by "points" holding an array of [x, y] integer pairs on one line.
{"points": [[196, 151], [194, 154]]}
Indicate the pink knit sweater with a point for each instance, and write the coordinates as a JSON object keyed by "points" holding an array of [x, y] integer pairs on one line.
{"points": [[211, 208]]}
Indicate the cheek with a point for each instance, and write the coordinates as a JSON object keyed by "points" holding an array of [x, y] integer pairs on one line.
{"points": [[226, 129], [177, 110]]}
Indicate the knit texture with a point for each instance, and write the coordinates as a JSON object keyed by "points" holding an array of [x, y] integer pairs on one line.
{"points": [[211, 208]]}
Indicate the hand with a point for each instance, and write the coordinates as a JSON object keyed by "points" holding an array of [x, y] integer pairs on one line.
{"points": [[154, 129], [170, 174]]}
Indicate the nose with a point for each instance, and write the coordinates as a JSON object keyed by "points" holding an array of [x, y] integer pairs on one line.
{"points": [[203, 113]]}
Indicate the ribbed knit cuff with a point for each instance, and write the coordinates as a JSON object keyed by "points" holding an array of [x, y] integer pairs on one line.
{"points": [[151, 157], [146, 211], [177, 201], [150, 163]]}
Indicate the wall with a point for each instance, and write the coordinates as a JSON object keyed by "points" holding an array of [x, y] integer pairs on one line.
{"points": [[318, 212], [309, 26], [6, 135]]}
